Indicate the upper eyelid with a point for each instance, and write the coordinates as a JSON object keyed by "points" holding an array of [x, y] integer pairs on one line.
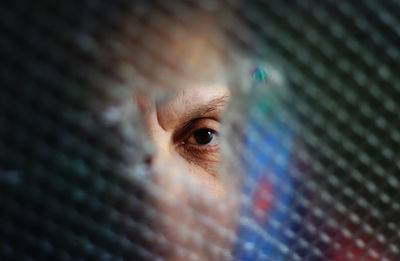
{"points": [[196, 119], [212, 110]]}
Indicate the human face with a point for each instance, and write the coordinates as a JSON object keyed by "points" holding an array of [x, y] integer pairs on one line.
{"points": [[186, 129], [190, 196], [185, 133]]}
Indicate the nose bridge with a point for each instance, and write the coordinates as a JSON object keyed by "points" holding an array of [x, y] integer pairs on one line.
{"points": [[156, 134], [159, 138], [159, 157]]}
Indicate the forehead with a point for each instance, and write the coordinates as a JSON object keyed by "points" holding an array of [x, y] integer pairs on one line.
{"points": [[201, 94], [172, 53], [193, 53]]}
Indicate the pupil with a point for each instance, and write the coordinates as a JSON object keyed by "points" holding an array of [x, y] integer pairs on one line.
{"points": [[203, 137]]}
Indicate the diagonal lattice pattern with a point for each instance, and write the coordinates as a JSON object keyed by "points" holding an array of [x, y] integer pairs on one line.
{"points": [[311, 151]]}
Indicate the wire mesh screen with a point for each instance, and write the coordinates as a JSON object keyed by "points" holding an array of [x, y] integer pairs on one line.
{"points": [[199, 130]]}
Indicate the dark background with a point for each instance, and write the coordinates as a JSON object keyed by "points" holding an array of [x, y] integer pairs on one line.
{"points": [[63, 194]]}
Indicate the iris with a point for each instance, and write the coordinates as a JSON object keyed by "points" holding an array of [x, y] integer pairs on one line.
{"points": [[203, 136]]}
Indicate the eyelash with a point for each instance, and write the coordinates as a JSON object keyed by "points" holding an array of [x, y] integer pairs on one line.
{"points": [[197, 131]]}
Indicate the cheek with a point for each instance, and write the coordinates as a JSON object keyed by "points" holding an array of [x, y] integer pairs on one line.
{"points": [[201, 163], [195, 195], [210, 184]]}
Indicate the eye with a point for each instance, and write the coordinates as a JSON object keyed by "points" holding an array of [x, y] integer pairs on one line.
{"points": [[199, 144], [202, 137]]}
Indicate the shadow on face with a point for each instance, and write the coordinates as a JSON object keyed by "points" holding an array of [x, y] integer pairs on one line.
{"points": [[188, 188], [195, 211]]}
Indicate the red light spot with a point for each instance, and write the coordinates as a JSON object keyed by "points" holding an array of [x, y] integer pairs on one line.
{"points": [[262, 198]]}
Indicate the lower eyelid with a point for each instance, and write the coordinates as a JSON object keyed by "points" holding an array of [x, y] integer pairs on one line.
{"points": [[199, 153], [205, 157], [214, 147], [202, 148]]}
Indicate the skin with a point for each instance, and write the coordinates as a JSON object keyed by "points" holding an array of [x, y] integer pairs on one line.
{"points": [[186, 170], [172, 129], [195, 214]]}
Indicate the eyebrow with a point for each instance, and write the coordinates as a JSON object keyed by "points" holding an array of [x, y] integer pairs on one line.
{"points": [[204, 110], [213, 107]]}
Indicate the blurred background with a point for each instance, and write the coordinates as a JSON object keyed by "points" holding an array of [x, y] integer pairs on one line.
{"points": [[308, 141]]}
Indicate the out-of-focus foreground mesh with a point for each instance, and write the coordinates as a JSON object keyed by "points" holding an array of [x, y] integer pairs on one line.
{"points": [[317, 148]]}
